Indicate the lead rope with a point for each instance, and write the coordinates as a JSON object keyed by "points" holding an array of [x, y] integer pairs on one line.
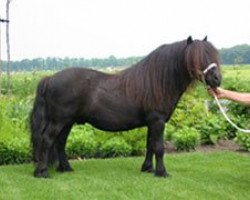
{"points": [[228, 119], [209, 67]]}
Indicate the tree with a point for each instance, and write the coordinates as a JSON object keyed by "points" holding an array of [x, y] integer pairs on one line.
{"points": [[239, 54]]}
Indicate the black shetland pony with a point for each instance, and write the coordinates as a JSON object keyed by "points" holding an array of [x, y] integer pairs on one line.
{"points": [[145, 94]]}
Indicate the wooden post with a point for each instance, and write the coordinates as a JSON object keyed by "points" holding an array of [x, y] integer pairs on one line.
{"points": [[8, 48], [0, 63]]}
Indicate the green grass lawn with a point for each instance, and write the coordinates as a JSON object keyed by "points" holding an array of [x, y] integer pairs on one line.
{"points": [[218, 175]]}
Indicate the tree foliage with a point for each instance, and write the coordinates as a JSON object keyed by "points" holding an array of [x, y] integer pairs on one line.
{"points": [[55, 63], [239, 54]]}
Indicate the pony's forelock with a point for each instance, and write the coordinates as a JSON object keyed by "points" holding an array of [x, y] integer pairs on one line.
{"points": [[196, 57]]}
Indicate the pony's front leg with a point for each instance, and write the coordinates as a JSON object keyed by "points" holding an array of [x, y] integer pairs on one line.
{"points": [[147, 166], [157, 129]]}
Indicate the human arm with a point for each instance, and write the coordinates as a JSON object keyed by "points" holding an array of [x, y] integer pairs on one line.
{"points": [[242, 98]]}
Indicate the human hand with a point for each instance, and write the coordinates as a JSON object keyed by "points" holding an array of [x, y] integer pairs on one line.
{"points": [[219, 92]]}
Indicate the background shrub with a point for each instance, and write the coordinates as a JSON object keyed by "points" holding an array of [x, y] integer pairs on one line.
{"points": [[15, 151], [114, 147], [186, 139], [243, 140], [169, 131], [212, 128], [81, 144], [137, 140]]}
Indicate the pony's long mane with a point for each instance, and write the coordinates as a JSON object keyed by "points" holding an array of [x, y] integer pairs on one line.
{"points": [[165, 72]]}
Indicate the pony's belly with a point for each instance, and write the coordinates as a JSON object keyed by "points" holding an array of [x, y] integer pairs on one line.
{"points": [[114, 117], [112, 125]]}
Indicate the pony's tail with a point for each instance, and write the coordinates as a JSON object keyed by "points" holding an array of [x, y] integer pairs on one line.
{"points": [[39, 118]]}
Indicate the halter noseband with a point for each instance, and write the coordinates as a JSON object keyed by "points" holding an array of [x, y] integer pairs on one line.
{"points": [[209, 67], [205, 71]]}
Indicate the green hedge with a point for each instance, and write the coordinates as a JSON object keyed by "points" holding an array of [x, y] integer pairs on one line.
{"points": [[88, 142]]}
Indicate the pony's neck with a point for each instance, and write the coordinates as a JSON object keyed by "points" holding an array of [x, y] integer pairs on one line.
{"points": [[159, 79], [178, 85]]}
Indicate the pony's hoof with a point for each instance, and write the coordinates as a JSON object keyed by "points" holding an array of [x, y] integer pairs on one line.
{"points": [[163, 174], [64, 169], [148, 168], [41, 173]]}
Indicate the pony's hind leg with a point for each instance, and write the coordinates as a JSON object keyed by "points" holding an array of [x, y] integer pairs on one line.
{"points": [[64, 165], [43, 157], [48, 140]]}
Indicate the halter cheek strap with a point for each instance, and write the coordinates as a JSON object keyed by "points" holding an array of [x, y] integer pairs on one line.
{"points": [[209, 67]]}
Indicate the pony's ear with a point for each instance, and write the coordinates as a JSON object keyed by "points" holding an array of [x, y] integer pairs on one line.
{"points": [[205, 38], [189, 40]]}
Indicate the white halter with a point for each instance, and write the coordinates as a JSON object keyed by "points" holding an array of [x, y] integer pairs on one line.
{"points": [[209, 67]]}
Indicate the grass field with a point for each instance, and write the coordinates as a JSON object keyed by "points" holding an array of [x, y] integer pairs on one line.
{"points": [[217, 175]]}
